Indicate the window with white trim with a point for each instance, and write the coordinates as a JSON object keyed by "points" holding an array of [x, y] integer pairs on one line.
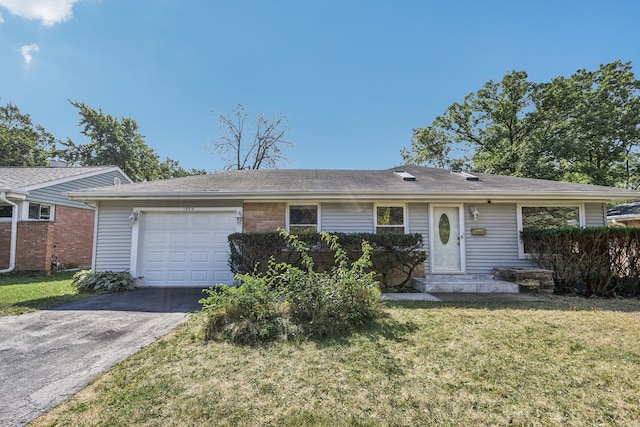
{"points": [[390, 219], [303, 218], [39, 211], [548, 217]]}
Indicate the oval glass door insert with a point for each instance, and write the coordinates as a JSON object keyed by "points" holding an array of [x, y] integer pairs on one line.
{"points": [[444, 229]]}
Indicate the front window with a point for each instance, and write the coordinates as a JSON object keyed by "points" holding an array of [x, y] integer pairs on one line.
{"points": [[390, 219], [548, 217], [303, 218], [38, 211], [5, 211]]}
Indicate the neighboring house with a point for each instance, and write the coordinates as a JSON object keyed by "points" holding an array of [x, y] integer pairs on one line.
{"points": [[626, 214], [39, 225], [174, 232]]}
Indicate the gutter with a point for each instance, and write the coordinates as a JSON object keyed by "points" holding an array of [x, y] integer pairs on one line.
{"points": [[502, 196], [14, 233]]}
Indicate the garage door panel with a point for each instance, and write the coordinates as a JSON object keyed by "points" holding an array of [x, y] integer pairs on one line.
{"points": [[199, 237], [177, 219], [185, 248], [177, 256], [200, 256], [199, 276], [153, 276], [155, 257], [155, 237]]}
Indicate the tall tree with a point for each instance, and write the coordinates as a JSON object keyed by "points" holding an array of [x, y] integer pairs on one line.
{"points": [[583, 128], [254, 145], [593, 119], [114, 141], [21, 142]]}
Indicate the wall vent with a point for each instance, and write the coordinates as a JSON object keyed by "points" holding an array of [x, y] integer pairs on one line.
{"points": [[406, 176]]}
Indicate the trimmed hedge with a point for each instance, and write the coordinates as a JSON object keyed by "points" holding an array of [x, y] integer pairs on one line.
{"points": [[392, 253], [603, 261]]}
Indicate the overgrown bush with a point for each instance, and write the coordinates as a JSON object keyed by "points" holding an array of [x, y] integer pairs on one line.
{"points": [[245, 314], [291, 302], [392, 254], [110, 281], [605, 260]]}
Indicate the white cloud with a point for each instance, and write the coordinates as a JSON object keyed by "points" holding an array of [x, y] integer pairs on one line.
{"points": [[26, 53], [48, 12], [1, 20]]}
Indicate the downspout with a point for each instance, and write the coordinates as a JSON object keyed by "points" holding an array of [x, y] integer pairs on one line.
{"points": [[14, 233]]}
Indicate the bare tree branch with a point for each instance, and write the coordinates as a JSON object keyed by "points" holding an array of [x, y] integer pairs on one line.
{"points": [[263, 151]]}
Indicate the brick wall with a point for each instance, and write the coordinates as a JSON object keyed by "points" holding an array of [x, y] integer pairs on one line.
{"points": [[69, 238], [5, 236], [263, 216], [73, 236], [34, 246]]}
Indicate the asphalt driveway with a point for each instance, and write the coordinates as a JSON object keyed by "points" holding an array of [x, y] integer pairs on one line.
{"points": [[47, 356]]}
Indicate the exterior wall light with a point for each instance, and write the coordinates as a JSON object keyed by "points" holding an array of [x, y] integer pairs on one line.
{"points": [[473, 210], [133, 217]]}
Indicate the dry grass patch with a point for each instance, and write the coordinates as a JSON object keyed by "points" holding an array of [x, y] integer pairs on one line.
{"points": [[565, 361]]}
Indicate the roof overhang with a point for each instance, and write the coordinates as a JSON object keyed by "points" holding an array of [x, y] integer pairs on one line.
{"points": [[502, 196], [98, 171], [14, 195]]}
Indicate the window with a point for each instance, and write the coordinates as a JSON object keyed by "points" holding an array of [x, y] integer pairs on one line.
{"points": [[5, 211], [546, 217], [38, 211], [303, 218], [390, 219]]}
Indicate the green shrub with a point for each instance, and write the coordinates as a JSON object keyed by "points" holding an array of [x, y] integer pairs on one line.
{"points": [[246, 314], [110, 281], [605, 260], [290, 302], [391, 253]]}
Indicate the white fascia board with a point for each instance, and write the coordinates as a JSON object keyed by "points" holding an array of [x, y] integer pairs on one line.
{"points": [[33, 187], [14, 195], [595, 197]]}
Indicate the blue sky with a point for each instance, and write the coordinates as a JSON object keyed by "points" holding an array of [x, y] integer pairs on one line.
{"points": [[353, 77]]}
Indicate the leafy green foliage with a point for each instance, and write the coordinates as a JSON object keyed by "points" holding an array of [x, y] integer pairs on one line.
{"points": [[110, 281], [290, 302], [21, 142], [584, 128], [391, 253], [114, 141], [605, 259]]}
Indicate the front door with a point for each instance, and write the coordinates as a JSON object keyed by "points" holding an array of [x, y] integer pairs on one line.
{"points": [[447, 238]]}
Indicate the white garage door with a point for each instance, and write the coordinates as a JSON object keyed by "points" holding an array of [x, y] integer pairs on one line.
{"points": [[185, 248]]}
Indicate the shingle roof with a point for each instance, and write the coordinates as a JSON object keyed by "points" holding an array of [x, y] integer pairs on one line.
{"points": [[298, 183], [625, 209], [17, 178]]}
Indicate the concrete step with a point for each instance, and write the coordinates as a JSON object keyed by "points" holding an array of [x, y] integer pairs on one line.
{"points": [[463, 284]]}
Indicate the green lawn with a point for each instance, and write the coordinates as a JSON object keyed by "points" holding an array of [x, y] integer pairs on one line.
{"points": [[23, 293], [564, 361]]}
